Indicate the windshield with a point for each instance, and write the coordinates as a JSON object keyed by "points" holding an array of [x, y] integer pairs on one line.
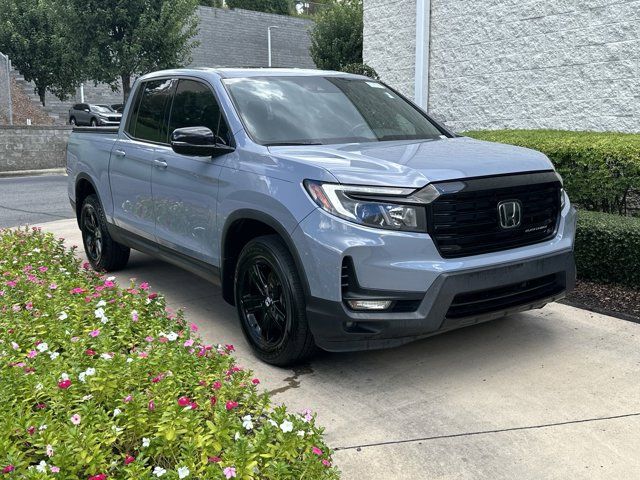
{"points": [[324, 110], [101, 109]]}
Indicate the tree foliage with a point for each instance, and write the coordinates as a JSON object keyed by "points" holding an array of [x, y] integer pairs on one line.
{"points": [[336, 39], [121, 39], [211, 3], [281, 7], [33, 34]]}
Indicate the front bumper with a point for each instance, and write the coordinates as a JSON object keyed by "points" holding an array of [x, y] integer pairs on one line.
{"points": [[409, 265]]}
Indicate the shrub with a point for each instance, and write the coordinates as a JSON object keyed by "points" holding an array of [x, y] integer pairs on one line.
{"points": [[281, 7], [98, 381], [336, 38], [608, 248], [361, 69], [600, 170]]}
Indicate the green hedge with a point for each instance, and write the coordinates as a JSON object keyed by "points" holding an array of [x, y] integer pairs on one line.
{"points": [[600, 170], [608, 248]]}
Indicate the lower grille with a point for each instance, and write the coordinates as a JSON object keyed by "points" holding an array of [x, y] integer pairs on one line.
{"points": [[467, 222], [503, 297]]}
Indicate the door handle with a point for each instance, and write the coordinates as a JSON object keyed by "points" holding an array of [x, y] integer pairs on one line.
{"points": [[120, 153], [159, 163]]}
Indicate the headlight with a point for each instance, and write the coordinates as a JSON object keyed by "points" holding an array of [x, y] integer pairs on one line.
{"points": [[380, 207]]}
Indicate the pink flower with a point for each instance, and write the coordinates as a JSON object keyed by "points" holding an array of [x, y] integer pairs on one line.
{"points": [[8, 469], [15, 346], [217, 385], [77, 290], [143, 355], [134, 316], [64, 384], [214, 459], [94, 333], [31, 430], [193, 327], [11, 283], [326, 462], [127, 399], [43, 269], [213, 401], [230, 348], [193, 405], [55, 469], [100, 476], [86, 265], [53, 286], [129, 460], [230, 405], [184, 401], [29, 306], [188, 343], [152, 405], [316, 451], [229, 472], [144, 286], [153, 295], [75, 339], [89, 352], [75, 419], [32, 354], [255, 381], [49, 451], [149, 338]]}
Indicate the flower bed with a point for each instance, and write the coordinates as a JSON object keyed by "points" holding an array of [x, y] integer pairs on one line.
{"points": [[99, 382]]}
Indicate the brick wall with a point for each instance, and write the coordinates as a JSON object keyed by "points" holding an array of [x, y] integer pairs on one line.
{"points": [[568, 64], [30, 148]]}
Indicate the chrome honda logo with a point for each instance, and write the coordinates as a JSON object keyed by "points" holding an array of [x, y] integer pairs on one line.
{"points": [[510, 213]]}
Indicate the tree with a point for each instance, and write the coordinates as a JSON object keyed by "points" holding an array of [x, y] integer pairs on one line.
{"points": [[336, 38], [281, 7], [211, 3], [122, 39], [32, 34]]}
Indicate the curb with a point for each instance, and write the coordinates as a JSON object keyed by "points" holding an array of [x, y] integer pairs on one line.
{"points": [[28, 173]]}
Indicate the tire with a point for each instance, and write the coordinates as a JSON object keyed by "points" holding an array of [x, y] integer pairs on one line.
{"points": [[104, 254], [72, 121], [94, 122], [271, 303]]}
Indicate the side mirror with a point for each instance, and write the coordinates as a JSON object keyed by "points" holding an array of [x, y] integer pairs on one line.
{"points": [[197, 141]]}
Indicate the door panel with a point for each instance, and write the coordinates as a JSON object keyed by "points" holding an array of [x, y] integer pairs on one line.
{"points": [[185, 191], [133, 155]]}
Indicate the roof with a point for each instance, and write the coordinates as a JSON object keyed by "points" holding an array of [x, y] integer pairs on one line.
{"points": [[254, 72]]}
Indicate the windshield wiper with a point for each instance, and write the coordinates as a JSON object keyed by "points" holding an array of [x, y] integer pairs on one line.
{"points": [[282, 144]]}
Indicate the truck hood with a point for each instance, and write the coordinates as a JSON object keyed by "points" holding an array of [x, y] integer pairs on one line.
{"points": [[415, 163]]}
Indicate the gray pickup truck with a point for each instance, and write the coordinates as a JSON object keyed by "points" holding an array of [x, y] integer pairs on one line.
{"points": [[332, 211]]}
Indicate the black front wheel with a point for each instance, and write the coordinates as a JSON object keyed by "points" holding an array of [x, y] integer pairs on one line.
{"points": [[104, 254], [271, 303]]}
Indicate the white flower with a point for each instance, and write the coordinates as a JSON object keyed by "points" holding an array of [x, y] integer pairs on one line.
{"points": [[286, 426], [110, 279], [172, 337], [42, 427], [82, 377], [49, 451], [145, 442], [39, 386], [90, 371], [301, 433], [129, 359], [159, 471], [106, 356], [116, 429], [104, 320], [87, 397], [63, 316], [117, 412], [37, 250], [183, 472], [102, 303], [42, 347], [246, 422], [42, 466], [64, 376], [54, 355], [273, 422], [236, 436]]}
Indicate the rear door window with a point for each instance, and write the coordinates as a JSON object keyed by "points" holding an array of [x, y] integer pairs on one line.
{"points": [[148, 121]]}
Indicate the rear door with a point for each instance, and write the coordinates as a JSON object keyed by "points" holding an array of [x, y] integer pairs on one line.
{"points": [[185, 188], [133, 154]]}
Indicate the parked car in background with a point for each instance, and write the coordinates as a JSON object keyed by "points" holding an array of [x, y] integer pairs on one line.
{"points": [[331, 210], [117, 107], [94, 115]]}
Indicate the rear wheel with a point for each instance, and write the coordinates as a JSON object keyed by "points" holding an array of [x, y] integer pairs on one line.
{"points": [[94, 122], [271, 303], [72, 121], [104, 254]]}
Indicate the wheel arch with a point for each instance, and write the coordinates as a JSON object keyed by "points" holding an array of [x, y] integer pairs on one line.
{"points": [[257, 223], [84, 187]]}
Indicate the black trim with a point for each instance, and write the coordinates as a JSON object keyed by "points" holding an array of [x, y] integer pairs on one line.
{"points": [[198, 267], [84, 176], [248, 214], [101, 130]]}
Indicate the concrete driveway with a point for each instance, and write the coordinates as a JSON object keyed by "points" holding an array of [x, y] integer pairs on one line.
{"points": [[551, 394]]}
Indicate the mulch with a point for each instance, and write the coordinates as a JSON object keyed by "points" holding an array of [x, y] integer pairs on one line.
{"points": [[609, 299]]}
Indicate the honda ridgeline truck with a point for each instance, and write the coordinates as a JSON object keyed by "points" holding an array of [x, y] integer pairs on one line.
{"points": [[332, 211]]}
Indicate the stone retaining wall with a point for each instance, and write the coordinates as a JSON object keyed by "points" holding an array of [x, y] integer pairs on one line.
{"points": [[32, 148]]}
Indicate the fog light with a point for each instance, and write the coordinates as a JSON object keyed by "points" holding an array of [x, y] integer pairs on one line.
{"points": [[369, 304]]}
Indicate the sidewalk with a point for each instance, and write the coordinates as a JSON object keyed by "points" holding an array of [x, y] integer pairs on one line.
{"points": [[551, 394]]}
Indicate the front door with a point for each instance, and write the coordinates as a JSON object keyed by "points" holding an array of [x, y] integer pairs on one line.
{"points": [[185, 188], [133, 155]]}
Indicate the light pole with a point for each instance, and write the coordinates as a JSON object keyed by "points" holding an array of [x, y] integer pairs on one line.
{"points": [[269, 42]]}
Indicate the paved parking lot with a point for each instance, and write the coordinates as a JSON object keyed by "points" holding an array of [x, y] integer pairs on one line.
{"points": [[551, 394]]}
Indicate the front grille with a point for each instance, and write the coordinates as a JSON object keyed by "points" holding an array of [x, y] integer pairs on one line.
{"points": [[114, 119], [467, 222], [501, 298]]}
